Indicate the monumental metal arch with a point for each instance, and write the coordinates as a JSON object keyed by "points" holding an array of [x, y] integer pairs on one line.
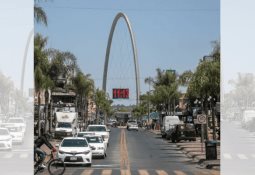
{"points": [[137, 76]]}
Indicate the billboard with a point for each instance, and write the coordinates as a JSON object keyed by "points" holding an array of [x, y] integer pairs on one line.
{"points": [[118, 93]]}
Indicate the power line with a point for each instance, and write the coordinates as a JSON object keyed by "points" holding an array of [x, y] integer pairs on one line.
{"points": [[130, 9]]}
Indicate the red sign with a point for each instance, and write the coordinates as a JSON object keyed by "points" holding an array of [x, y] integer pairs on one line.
{"points": [[120, 93]]}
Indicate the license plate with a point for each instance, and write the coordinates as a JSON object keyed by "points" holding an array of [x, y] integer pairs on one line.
{"points": [[73, 158]]}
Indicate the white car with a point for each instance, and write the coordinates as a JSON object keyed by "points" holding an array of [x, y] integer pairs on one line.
{"points": [[132, 125], [100, 130], [19, 122], [75, 150], [15, 132], [99, 145], [5, 139]]}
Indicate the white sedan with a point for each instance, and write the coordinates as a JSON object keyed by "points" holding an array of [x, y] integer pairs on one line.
{"points": [[15, 132], [19, 122], [5, 139], [99, 145], [75, 150], [100, 130]]}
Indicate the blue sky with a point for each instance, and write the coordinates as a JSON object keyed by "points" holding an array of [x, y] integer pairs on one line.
{"points": [[169, 34]]}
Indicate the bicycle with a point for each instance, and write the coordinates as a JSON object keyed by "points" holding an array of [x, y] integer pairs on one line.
{"points": [[55, 166]]}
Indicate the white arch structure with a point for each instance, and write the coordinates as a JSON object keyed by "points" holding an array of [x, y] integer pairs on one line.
{"points": [[137, 76], [25, 60]]}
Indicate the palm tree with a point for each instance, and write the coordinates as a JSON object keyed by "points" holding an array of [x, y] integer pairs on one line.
{"points": [[39, 14], [41, 71]]}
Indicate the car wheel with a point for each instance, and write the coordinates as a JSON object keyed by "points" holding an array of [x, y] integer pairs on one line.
{"points": [[89, 165], [163, 136]]}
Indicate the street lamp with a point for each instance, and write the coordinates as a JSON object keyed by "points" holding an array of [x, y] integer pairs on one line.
{"points": [[213, 116], [46, 94]]}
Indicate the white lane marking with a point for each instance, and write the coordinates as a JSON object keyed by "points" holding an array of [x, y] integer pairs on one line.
{"points": [[227, 156], [110, 165], [143, 172], [24, 150], [8, 156], [161, 172], [242, 156], [87, 172], [106, 172], [23, 156], [179, 172]]}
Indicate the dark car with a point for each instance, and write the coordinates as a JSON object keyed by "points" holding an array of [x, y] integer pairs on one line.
{"points": [[183, 132]]}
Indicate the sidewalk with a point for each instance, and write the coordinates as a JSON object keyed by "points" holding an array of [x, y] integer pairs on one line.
{"points": [[196, 151]]}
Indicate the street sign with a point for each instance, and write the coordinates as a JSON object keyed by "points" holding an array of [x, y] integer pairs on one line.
{"points": [[201, 119]]}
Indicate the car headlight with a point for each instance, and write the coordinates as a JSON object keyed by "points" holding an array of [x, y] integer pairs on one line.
{"points": [[61, 152], [85, 152]]}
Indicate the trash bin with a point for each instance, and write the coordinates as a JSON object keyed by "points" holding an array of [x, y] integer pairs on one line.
{"points": [[211, 150]]}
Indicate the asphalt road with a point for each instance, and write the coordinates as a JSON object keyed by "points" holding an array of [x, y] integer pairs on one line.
{"points": [[143, 153], [19, 161], [238, 149]]}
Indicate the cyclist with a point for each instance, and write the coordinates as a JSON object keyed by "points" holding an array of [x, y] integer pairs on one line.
{"points": [[43, 139]]}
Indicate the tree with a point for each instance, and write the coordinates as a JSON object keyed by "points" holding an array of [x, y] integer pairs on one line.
{"points": [[165, 90], [103, 104], [84, 87], [205, 81], [41, 72], [39, 14]]}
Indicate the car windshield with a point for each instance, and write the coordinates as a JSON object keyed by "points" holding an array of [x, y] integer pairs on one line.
{"points": [[74, 143], [94, 140], [96, 128], [64, 125], [13, 120], [3, 132]]}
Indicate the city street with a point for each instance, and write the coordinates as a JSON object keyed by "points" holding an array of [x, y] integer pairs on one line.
{"points": [[238, 149], [143, 153], [20, 159]]}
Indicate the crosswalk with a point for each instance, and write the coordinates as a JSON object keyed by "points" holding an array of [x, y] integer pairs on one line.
{"points": [[239, 156], [15, 155], [92, 171]]}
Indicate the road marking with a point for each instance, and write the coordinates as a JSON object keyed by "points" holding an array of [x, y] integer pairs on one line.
{"points": [[106, 172], [124, 162], [242, 156], [179, 172], [143, 172], [87, 172], [125, 172], [8, 156], [110, 165], [23, 156], [227, 156], [161, 172]]}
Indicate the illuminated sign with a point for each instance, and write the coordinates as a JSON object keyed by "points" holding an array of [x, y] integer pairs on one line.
{"points": [[120, 93]]}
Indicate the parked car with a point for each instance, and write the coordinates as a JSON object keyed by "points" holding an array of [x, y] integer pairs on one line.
{"points": [[98, 143], [100, 130], [132, 125], [5, 139], [19, 122], [75, 150], [15, 131], [183, 132]]}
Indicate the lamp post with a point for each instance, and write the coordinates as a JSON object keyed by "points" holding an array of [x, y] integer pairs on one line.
{"points": [[213, 117], [46, 94]]}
